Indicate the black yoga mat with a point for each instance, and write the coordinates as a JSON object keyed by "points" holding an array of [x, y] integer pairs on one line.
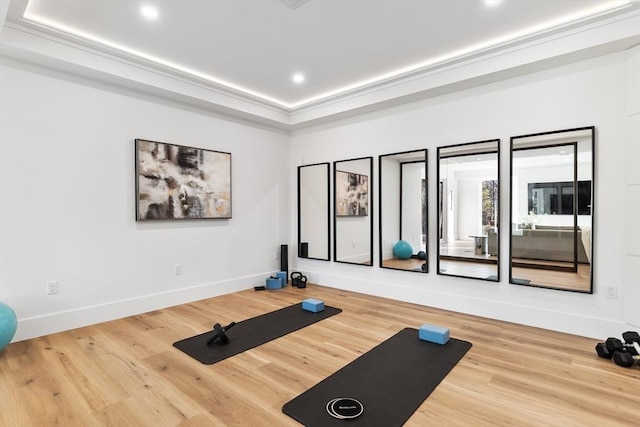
{"points": [[251, 333], [391, 381]]}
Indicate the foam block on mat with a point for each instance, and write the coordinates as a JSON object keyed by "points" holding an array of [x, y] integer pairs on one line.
{"points": [[433, 333], [313, 305]]}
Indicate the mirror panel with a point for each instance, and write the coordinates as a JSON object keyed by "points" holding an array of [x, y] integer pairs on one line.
{"points": [[353, 211], [403, 211], [552, 210], [314, 214], [468, 210]]}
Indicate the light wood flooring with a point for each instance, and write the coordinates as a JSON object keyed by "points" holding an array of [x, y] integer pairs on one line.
{"points": [[127, 373], [403, 264], [578, 281]]}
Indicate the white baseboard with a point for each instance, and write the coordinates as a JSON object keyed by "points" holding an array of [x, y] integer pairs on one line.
{"points": [[38, 326], [566, 322], [571, 323]]}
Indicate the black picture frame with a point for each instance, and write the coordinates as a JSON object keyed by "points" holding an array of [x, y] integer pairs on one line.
{"points": [[178, 182]]}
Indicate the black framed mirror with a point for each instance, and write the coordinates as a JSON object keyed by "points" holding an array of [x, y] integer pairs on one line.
{"points": [[353, 211], [403, 210], [314, 212], [469, 210], [551, 210]]}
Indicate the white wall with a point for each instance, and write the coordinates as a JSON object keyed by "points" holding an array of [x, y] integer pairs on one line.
{"points": [[314, 209], [67, 210], [629, 289], [587, 93], [412, 176], [390, 207], [469, 209]]}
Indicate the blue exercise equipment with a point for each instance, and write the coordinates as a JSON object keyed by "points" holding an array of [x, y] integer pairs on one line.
{"points": [[8, 325], [402, 249]]}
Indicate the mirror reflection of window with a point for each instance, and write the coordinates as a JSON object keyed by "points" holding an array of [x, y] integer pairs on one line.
{"points": [[551, 210], [468, 210], [313, 211], [403, 211], [353, 224]]}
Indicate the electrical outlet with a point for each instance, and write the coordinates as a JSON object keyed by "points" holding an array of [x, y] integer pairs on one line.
{"points": [[276, 255], [177, 270], [52, 287], [612, 291]]}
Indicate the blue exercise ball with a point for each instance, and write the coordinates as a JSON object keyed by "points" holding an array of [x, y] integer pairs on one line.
{"points": [[402, 249], [8, 325]]}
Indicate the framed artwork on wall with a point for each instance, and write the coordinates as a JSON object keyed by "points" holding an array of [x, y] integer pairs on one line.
{"points": [[176, 182], [352, 194]]}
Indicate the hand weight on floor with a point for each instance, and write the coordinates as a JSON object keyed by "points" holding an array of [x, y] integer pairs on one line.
{"points": [[624, 354], [298, 280]]}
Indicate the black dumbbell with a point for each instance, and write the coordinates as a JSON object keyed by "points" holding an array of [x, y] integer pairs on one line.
{"points": [[625, 359], [603, 351], [630, 337], [612, 345]]}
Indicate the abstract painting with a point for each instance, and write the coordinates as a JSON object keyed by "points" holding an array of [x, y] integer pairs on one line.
{"points": [[352, 194], [178, 182]]}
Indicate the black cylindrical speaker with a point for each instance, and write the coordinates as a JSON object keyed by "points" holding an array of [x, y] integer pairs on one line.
{"points": [[304, 250], [284, 258]]}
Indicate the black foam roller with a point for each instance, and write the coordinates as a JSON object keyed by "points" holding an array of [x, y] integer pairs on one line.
{"points": [[284, 258]]}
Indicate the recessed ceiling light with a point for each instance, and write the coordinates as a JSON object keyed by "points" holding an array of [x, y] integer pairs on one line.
{"points": [[149, 12], [492, 3], [298, 78]]}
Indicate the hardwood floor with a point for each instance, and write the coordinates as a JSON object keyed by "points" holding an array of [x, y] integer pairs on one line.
{"points": [[403, 264], [127, 373]]}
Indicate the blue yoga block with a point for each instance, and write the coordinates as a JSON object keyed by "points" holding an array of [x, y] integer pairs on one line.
{"points": [[433, 333], [282, 275], [313, 305], [274, 283]]}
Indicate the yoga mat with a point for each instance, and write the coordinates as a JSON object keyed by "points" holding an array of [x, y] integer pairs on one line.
{"points": [[251, 333], [391, 381]]}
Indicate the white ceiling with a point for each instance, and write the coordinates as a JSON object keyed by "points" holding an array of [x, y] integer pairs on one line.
{"points": [[251, 48]]}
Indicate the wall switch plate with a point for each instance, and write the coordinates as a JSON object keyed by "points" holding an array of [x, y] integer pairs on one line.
{"points": [[612, 291], [52, 287], [177, 270], [276, 255]]}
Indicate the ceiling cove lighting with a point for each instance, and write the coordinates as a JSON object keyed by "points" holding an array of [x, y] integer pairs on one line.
{"points": [[40, 20], [602, 8], [530, 31], [149, 12]]}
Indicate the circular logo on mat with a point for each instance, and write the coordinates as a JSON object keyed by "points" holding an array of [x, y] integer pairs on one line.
{"points": [[345, 408]]}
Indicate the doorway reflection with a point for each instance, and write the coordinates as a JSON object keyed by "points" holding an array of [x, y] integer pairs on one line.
{"points": [[551, 210], [468, 210], [403, 211]]}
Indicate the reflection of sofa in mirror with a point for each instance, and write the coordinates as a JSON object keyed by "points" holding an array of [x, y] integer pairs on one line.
{"points": [[548, 243]]}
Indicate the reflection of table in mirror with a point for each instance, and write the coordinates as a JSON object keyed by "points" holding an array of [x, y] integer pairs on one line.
{"points": [[480, 245]]}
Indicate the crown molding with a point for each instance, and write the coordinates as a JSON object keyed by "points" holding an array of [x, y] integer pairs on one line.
{"points": [[605, 33]]}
